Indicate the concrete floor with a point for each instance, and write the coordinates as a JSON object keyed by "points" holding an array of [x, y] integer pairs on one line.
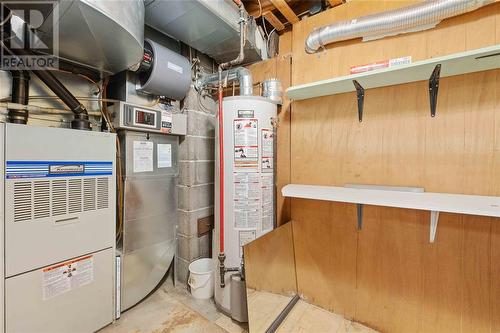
{"points": [[173, 310]]}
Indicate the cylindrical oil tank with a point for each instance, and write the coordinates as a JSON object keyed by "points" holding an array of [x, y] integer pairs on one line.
{"points": [[170, 74], [249, 134]]}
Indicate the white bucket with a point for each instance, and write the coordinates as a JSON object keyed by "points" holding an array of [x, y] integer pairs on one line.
{"points": [[201, 278]]}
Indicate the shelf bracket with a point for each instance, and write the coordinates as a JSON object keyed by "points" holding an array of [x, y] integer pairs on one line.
{"points": [[359, 209], [434, 88], [360, 93], [434, 224]]}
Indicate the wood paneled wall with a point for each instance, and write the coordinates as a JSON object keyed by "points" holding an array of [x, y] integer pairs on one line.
{"points": [[270, 262], [279, 67], [387, 275]]}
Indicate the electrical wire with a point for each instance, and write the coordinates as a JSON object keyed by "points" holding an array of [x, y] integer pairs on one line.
{"points": [[260, 8], [83, 98], [82, 76], [268, 40], [205, 109], [264, 26], [38, 108], [119, 185]]}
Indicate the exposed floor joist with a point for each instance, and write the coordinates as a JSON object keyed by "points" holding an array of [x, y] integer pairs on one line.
{"points": [[285, 9], [335, 3]]}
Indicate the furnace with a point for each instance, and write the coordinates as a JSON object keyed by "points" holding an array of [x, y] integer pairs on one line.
{"points": [[58, 192]]}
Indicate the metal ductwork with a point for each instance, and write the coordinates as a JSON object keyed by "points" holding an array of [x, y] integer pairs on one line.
{"points": [[241, 74], [413, 18], [101, 34], [209, 26]]}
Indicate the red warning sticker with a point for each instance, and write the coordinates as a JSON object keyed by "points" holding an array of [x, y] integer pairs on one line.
{"points": [[63, 277]]}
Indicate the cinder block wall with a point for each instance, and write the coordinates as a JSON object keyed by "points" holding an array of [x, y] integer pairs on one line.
{"points": [[196, 180]]}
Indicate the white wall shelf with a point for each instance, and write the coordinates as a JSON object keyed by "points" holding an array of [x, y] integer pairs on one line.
{"points": [[431, 69], [455, 64], [433, 202]]}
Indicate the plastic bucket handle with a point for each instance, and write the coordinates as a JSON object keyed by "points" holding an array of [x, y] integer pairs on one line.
{"points": [[192, 281]]}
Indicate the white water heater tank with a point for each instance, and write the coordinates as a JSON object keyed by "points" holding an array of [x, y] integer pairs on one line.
{"points": [[248, 162]]}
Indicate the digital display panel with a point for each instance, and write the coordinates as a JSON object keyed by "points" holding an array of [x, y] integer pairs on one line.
{"points": [[145, 118]]}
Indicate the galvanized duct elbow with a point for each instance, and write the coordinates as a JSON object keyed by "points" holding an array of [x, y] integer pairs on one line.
{"points": [[241, 74], [417, 17]]}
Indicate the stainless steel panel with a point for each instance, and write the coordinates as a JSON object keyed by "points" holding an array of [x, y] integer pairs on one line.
{"points": [[143, 269], [150, 206], [150, 216]]}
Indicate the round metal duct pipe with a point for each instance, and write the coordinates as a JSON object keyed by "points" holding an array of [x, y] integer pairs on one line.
{"points": [[421, 16]]}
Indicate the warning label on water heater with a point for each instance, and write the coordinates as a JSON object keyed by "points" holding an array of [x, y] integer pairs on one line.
{"points": [[245, 237], [247, 196], [246, 186], [267, 202], [246, 213], [63, 277], [246, 145], [267, 161]]}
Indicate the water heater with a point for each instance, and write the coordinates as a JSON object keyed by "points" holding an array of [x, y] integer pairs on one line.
{"points": [[248, 183]]}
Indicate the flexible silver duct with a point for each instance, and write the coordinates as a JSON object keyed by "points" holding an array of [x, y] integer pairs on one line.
{"points": [[417, 17], [241, 74]]}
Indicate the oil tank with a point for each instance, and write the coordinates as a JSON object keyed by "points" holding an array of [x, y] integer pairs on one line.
{"points": [[248, 163]]}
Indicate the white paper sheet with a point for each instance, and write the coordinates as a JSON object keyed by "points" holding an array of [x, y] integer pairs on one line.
{"points": [[164, 152], [143, 156]]}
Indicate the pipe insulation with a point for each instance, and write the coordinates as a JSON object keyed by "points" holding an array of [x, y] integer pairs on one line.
{"points": [[421, 16], [243, 75]]}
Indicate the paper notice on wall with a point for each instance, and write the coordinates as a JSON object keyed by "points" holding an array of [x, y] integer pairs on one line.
{"points": [[246, 214], [164, 152], [143, 156], [267, 190], [61, 278], [246, 145], [245, 237]]}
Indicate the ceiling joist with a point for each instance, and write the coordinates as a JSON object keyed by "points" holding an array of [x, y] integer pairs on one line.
{"points": [[285, 9], [335, 3], [273, 20]]}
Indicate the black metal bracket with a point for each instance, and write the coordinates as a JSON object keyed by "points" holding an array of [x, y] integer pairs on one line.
{"points": [[360, 92], [434, 88], [359, 208]]}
